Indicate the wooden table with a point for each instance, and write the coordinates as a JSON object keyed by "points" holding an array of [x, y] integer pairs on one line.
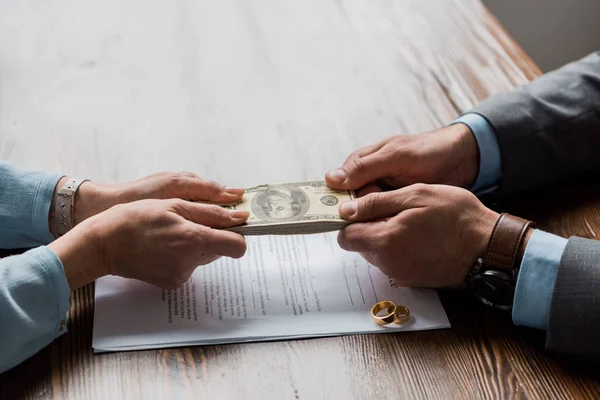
{"points": [[253, 91]]}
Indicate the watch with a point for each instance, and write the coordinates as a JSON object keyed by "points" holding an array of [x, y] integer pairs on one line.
{"points": [[493, 278]]}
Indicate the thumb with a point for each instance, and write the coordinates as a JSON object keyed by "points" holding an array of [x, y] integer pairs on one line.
{"points": [[376, 206], [360, 171]]}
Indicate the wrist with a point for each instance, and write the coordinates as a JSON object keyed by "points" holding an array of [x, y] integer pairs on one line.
{"points": [[477, 242], [485, 229], [80, 251], [466, 155], [91, 198]]}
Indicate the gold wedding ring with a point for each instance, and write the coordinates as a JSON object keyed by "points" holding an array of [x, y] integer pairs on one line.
{"points": [[394, 313], [402, 314], [390, 315]]}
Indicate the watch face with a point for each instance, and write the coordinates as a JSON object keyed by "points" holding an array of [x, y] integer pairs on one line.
{"points": [[494, 288]]}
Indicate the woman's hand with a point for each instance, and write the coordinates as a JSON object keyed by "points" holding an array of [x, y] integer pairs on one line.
{"points": [[157, 241], [93, 198]]}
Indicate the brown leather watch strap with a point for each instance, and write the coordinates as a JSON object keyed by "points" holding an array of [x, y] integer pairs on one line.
{"points": [[505, 242]]}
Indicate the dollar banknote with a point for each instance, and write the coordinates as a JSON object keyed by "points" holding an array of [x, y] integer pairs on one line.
{"points": [[292, 208]]}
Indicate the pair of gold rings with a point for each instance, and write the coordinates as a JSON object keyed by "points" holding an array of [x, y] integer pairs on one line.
{"points": [[394, 313]]}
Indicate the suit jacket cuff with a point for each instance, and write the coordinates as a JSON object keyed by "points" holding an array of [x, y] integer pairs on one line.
{"points": [[548, 128], [575, 310]]}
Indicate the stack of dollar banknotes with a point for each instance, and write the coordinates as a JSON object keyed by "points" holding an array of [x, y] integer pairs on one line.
{"points": [[294, 208]]}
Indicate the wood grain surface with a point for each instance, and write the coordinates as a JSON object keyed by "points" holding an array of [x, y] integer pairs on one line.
{"points": [[254, 91]]}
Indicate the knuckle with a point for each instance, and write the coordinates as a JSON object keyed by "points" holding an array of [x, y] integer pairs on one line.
{"points": [[180, 179], [358, 165], [378, 242], [175, 177], [371, 202], [213, 186], [354, 155], [420, 189], [217, 212], [199, 240], [178, 204], [190, 235], [385, 241], [188, 174], [372, 247]]}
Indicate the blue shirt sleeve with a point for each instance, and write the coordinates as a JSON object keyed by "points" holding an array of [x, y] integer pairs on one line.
{"points": [[34, 300], [25, 198], [537, 274], [490, 164]]}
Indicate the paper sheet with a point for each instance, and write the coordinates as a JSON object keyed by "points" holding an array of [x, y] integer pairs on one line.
{"points": [[284, 287]]}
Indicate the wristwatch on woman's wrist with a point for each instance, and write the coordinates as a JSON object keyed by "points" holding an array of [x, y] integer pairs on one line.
{"points": [[64, 209], [493, 278]]}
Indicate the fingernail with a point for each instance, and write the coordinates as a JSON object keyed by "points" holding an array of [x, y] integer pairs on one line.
{"points": [[338, 175], [348, 209], [236, 191], [238, 214]]}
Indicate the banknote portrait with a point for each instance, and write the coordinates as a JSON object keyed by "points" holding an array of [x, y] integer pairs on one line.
{"points": [[280, 203]]}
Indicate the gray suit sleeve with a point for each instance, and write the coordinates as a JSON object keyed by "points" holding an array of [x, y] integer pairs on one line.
{"points": [[548, 128], [574, 325]]}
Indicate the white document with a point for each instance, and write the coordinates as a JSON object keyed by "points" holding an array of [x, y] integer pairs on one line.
{"points": [[284, 287]]}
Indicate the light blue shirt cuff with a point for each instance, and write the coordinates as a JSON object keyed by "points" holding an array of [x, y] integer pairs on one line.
{"points": [[54, 270], [490, 163], [42, 202], [25, 199], [34, 301], [537, 276]]}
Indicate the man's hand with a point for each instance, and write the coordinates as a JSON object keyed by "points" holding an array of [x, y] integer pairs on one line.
{"points": [[421, 235], [157, 241], [93, 198], [448, 156]]}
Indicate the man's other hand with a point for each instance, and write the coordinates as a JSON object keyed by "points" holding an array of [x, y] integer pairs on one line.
{"points": [[447, 156]]}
